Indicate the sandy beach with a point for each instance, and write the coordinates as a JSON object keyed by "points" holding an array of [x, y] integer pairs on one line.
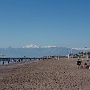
{"points": [[50, 74]]}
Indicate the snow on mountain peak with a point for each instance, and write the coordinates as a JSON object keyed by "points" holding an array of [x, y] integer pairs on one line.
{"points": [[31, 46], [48, 46], [35, 46]]}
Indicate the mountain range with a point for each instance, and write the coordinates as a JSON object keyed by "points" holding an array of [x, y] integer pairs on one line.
{"points": [[35, 51]]}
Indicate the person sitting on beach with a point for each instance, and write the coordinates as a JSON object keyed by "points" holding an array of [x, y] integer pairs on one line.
{"points": [[86, 65]]}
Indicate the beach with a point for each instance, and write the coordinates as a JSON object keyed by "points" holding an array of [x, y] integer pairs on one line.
{"points": [[62, 74]]}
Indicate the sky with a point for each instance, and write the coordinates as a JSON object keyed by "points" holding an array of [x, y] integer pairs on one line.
{"points": [[63, 23]]}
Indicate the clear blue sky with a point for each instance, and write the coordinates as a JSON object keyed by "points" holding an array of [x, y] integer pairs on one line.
{"points": [[64, 23]]}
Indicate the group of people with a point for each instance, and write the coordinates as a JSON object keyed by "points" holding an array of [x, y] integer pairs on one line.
{"points": [[83, 65], [12, 61]]}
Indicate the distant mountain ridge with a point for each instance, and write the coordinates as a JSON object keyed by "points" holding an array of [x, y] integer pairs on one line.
{"points": [[36, 52]]}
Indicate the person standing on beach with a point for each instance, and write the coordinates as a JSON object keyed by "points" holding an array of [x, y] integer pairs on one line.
{"points": [[78, 58], [3, 63], [79, 62], [8, 61]]}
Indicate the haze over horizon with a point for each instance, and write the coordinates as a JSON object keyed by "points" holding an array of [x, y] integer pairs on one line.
{"points": [[62, 23]]}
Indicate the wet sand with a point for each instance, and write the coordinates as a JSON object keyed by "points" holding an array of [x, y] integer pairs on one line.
{"points": [[51, 74]]}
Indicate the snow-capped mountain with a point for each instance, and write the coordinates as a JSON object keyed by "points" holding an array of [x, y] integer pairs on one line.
{"points": [[31, 46], [48, 46], [36, 51], [32, 51], [35, 46]]}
